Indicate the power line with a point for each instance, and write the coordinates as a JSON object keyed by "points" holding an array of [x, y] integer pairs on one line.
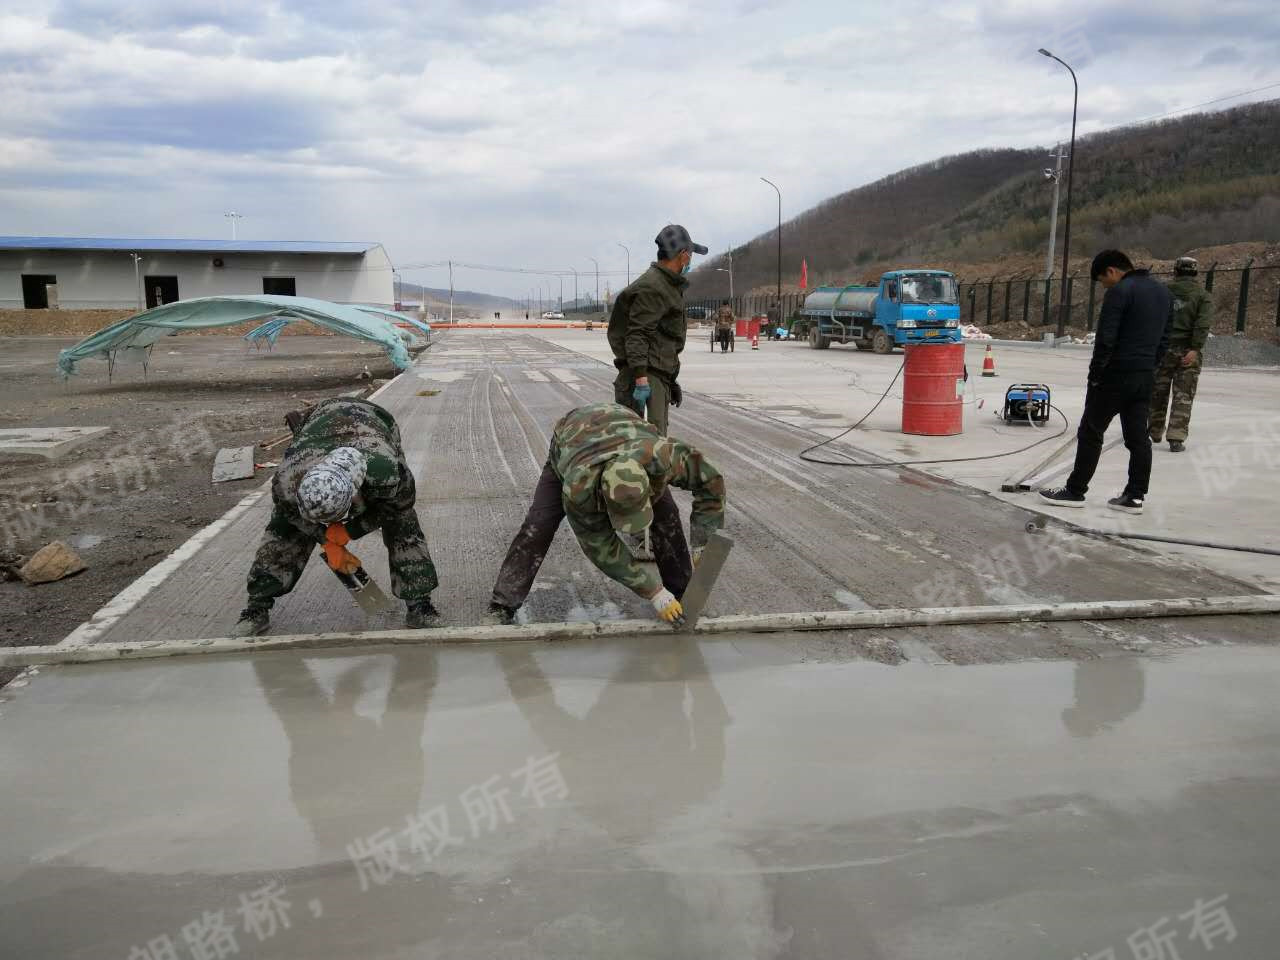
{"points": [[1194, 106]]}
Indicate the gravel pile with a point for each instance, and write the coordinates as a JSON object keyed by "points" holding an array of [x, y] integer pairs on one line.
{"points": [[1240, 352]]}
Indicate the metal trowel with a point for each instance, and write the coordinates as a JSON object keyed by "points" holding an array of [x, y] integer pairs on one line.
{"points": [[704, 578]]}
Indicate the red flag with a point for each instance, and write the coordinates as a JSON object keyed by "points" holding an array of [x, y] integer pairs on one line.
{"points": [[804, 274]]}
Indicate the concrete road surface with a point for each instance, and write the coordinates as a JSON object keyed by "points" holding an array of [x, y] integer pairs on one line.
{"points": [[476, 412], [654, 799]]}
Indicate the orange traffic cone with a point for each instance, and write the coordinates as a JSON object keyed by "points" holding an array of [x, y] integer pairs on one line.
{"points": [[755, 341], [989, 363]]}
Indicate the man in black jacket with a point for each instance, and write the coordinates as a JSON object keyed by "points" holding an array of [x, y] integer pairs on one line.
{"points": [[1132, 337]]}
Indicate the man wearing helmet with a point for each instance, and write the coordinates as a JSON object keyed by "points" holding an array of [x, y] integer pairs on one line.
{"points": [[1179, 372], [647, 329], [343, 476], [610, 473]]}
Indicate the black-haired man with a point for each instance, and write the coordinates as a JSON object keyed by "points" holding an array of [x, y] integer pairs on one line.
{"points": [[1132, 337]]}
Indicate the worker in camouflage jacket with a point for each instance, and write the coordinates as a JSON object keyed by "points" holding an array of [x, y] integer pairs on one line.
{"points": [[724, 326], [344, 474], [610, 473], [1179, 371], [647, 329]]}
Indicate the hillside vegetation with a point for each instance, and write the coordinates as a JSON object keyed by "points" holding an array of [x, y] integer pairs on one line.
{"points": [[1157, 189]]}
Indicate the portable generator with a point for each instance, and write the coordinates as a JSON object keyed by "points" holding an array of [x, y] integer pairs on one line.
{"points": [[1026, 403]]}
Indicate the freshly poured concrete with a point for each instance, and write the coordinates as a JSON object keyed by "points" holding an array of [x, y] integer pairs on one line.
{"points": [[724, 799], [807, 537], [1230, 460]]}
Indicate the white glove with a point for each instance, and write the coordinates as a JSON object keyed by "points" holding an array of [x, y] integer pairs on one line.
{"points": [[697, 556], [667, 607]]}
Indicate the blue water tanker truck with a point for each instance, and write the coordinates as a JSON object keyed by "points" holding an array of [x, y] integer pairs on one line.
{"points": [[907, 306]]}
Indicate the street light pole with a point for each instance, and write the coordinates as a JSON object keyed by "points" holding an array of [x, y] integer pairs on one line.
{"points": [[233, 217], [628, 249], [137, 278], [451, 291], [1071, 164], [597, 263], [575, 287], [779, 192], [729, 271], [1056, 176]]}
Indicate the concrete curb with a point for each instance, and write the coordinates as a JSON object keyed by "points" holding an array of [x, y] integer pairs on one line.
{"points": [[762, 623]]}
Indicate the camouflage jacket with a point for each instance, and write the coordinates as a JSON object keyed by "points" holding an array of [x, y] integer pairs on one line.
{"points": [[585, 441], [724, 318], [647, 326], [1192, 314], [338, 422]]}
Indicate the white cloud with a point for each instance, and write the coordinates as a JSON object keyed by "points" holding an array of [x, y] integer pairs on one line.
{"points": [[520, 133]]}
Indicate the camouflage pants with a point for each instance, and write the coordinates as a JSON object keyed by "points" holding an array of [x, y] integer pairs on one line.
{"points": [[533, 540], [283, 553], [659, 398], [1173, 379]]}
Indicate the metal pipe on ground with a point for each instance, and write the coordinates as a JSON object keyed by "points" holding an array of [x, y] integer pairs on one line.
{"points": [[761, 623]]}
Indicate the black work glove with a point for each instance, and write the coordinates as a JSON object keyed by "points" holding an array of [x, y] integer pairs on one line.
{"points": [[677, 395]]}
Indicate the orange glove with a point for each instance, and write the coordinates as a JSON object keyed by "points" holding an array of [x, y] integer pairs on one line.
{"points": [[335, 549]]}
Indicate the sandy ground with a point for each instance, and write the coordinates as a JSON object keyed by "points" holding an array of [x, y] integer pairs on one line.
{"points": [[134, 494]]}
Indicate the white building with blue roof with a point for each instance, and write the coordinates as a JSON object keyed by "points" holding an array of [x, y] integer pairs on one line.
{"points": [[74, 273]]}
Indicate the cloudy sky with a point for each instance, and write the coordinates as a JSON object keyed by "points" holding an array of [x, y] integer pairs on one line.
{"points": [[539, 134]]}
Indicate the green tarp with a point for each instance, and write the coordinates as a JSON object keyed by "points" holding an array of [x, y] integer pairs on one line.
{"points": [[142, 330]]}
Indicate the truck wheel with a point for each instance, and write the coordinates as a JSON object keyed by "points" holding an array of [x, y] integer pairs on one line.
{"points": [[813, 338], [880, 342]]}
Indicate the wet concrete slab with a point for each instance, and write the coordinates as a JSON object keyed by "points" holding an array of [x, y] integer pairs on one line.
{"points": [[807, 537], [48, 442], [702, 799]]}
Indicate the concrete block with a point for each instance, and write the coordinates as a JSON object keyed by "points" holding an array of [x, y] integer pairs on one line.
{"points": [[233, 463], [47, 442]]}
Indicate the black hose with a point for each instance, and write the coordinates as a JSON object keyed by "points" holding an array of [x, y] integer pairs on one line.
{"points": [[804, 454], [1190, 543]]}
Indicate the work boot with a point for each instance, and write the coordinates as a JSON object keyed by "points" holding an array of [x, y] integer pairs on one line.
{"points": [[499, 616], [420, 614], [253, 621], [1176, 446]]}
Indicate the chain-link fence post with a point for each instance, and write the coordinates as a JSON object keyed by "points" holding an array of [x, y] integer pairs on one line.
{"points": [[1093, 290], [1048, 289], [1026, 302]]}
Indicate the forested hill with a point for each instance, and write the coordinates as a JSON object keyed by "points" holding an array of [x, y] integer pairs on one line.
{"points": [[1160, 188]]}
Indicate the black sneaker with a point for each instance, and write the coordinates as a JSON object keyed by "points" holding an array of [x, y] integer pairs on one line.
{"points": [[499, 616], [420, 614], [253, 621], [1126, 503], [1177, 446], [1062, 497]]}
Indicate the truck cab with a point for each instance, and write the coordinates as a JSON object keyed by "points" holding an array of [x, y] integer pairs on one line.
{"points": [[906, 306]]}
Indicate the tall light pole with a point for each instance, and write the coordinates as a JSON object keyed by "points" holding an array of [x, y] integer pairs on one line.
{"points": [[575, 286], [1071, 164], [1054, 174], [779, 192], [137, 278], [729, 272], [628, 249], [597, 263], [451, 291], [233, 217]]}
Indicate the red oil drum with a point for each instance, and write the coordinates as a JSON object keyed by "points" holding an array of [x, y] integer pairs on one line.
{"points": [[933, 389]]}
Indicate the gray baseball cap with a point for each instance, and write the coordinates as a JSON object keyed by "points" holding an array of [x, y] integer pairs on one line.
{"points": [[673, 239]]}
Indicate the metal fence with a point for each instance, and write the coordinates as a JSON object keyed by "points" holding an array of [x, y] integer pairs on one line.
{"points": [[1246, 299]]}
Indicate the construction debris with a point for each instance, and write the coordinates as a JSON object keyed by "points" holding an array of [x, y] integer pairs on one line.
{"points": [[233, 463], [51, 562]]}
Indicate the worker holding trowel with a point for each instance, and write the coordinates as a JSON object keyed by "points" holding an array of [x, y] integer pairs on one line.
{"points": [[610, 473], [344, 476]]}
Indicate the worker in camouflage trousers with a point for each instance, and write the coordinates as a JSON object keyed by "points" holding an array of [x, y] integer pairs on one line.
{"points": [[647, 329], [1179, 371], [344, 471], [610, 473], [724, 326]]}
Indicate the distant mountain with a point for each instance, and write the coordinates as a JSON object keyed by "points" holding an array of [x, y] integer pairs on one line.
{"points": [[1160, 188], [412, 293]]}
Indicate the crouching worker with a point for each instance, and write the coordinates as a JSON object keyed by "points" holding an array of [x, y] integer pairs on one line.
{"points": [[343, 476], [610, 473]]}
